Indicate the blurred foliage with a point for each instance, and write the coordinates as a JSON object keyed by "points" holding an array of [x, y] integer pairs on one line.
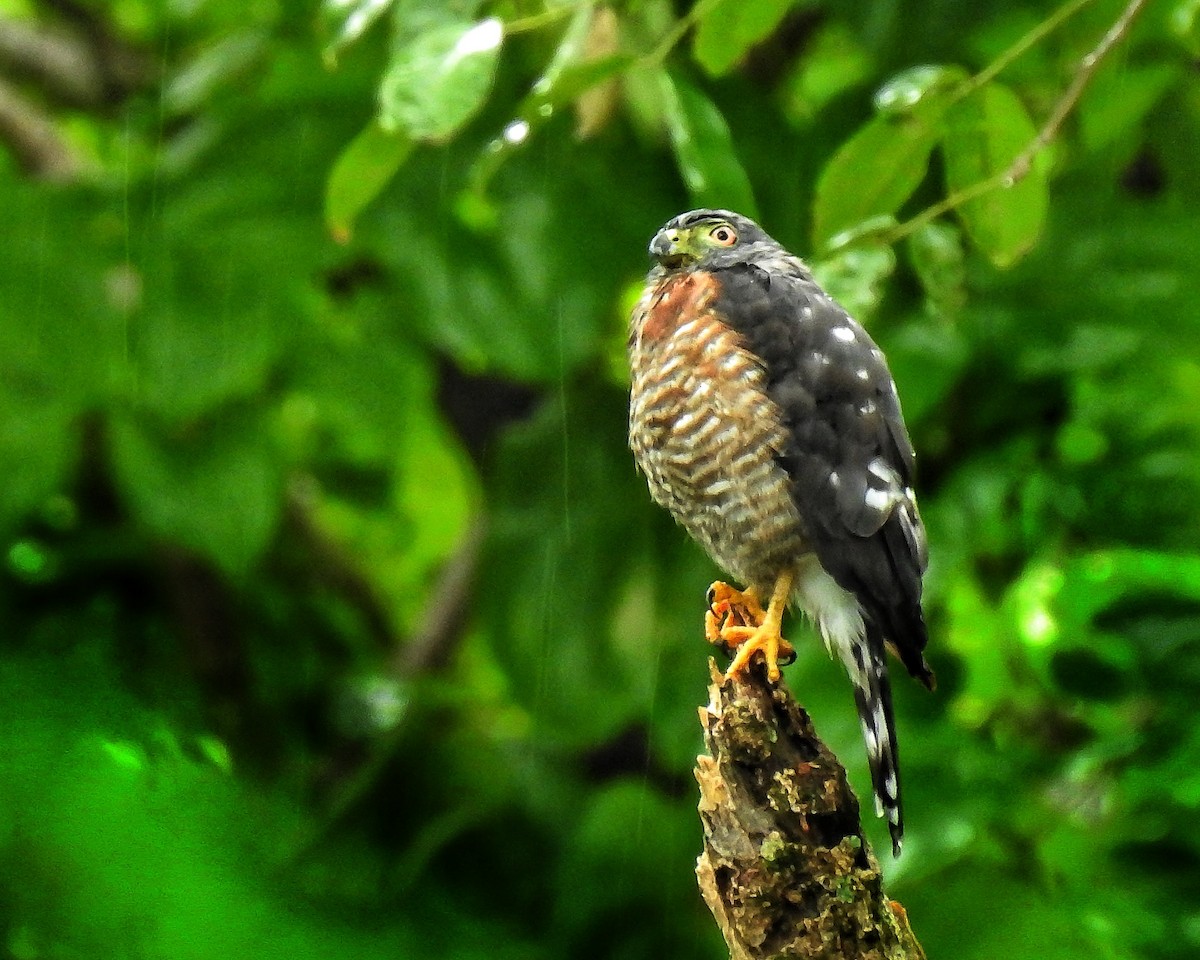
{"points": [[336, 621]]}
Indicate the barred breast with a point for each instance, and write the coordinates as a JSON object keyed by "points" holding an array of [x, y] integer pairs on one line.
{"points": [[706, 435]]}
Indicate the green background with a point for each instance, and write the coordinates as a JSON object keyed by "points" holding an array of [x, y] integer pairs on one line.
{"points": [[334, 618]]}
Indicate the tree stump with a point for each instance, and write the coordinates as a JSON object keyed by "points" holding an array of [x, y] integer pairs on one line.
{"points": [[786, 869]]}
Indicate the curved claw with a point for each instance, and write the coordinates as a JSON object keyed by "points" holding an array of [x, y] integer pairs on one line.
{"points": [[743, 606], [736, 619]]}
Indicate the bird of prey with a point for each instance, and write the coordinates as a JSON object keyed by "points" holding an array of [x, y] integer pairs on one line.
{"points": [[765, 419]]}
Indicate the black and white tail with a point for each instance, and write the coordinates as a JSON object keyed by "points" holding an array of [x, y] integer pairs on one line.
{"points": [[873, 697]]}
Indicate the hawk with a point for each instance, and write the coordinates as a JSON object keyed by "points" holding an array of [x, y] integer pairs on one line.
{"points": [[766, 421]]}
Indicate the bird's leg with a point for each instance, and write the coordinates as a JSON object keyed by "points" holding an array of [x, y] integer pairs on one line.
{"points": [[765, 636], [730, 607]]}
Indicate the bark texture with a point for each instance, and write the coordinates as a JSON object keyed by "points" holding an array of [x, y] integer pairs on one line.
{"points": [[786, 869]]}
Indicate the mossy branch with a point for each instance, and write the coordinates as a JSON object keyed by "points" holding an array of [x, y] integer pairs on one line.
{"points": [[786, 869]]}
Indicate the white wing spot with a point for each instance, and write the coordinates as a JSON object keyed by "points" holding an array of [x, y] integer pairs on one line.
{"points": [[862, 373], [835, 480], [885, 473], [807, 312], [845, 334], [867, 408], [879, 499]]}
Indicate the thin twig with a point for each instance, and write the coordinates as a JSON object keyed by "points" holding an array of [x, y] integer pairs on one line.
{"points": [[1018, 49], [1083, 76], [34, 140], [62, 65], [678, 31], [1023, 162], [536, 21]]}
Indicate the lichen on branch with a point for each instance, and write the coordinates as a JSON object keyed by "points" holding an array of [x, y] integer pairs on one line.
{"points": [[786, 869]]}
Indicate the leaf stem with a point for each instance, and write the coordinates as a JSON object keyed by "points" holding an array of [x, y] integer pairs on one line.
{"points": [[1023, 162], [677, 32], [1018, 49], [535, 21]]}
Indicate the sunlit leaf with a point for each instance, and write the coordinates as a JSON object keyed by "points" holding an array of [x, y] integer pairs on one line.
{"points": [[727, 31], [347, 20], [704, 148], [873, 172], [1184, 22], [362, 170], [413, 17], [572, 71], [985, 133], [878, 168], [917, 86], [436, 81], [222, 65]]}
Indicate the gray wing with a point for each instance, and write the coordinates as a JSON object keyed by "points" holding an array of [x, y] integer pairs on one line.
{"points": [[848, 453]]}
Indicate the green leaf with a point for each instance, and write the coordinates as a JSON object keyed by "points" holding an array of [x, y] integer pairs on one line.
{"points": [[37, 444], [626, 829], [435, 82], [347, 20], [911, 88], [855, 277], [935, 250], [413, 17], [1120, 97], [216, 491], [877, 169], [872, 174], [704, 148], [728, 31], [833, 62], [927, 359], [362, 170], [565, 79], [1184, 23], [985, 133], [192, 357]]}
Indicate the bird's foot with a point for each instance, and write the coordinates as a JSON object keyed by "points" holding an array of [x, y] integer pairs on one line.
{"points": [[750, 640], [736, 620], [728, 606]]}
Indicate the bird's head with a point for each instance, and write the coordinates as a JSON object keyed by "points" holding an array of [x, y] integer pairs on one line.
{"points": [[709, 239]]}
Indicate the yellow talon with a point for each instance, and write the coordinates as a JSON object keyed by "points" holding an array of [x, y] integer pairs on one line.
{"points": [[758, 629]]}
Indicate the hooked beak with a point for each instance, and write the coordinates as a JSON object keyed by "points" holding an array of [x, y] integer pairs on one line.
{"points": [[668, 248]]}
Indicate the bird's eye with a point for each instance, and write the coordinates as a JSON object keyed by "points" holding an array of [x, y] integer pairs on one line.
{"points": [[724, 235]]}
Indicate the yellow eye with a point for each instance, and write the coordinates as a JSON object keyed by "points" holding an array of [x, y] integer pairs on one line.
{"points": [[723, 234]]}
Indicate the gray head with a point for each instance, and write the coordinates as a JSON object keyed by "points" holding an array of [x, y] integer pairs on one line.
{"points": [[711, 239]]}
